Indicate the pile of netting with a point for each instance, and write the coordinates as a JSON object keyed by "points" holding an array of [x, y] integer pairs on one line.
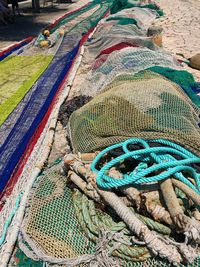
{"points": [[141, 94], [102, 214], [119, 5], [26, 125], [26, 98], [129, 193], [144, 105]]}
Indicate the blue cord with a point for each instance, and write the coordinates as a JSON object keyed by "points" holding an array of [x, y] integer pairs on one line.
{"points": [[8, 222]]}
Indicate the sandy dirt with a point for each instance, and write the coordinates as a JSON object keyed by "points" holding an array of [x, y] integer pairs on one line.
{"points": [[181, 28]]}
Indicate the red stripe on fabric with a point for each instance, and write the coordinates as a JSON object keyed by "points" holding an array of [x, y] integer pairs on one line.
{"points": [[99, 61], [22, 162], [115, 47], [28, 39]]}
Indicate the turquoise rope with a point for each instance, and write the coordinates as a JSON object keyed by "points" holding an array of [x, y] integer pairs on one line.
{"points": [[8, 222], [161, 155]]}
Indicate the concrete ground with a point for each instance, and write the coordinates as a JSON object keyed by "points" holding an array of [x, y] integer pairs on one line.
{"points": [[30, 23]]}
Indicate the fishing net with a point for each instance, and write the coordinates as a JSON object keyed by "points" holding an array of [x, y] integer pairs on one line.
{"points": [[145, 105], [65, 20], [10, 50], [52, 221], [130, 35], [42, 95], [63, 223], [184, 79], [21, 70], [118, 5], [127, 60], [32, 61], [34, 110], [117, 30], [142, 17]]}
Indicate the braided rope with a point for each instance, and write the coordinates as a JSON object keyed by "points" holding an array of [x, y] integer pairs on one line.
{"points": [[161, 155]]}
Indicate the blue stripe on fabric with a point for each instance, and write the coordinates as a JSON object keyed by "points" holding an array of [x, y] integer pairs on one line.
{"points": [[13, 50], [46, 88], [11, 120]]}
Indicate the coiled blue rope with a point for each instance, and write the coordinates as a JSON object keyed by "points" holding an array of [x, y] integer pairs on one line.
{"points": [[159, 158]]}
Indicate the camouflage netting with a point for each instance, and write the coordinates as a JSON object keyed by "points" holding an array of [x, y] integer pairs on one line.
{"points": [[145, 105]]}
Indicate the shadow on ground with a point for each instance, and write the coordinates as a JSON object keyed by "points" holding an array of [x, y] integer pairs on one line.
{"points": [[30, 23]]}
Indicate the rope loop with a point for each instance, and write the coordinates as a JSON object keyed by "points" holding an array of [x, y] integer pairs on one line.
{"points": [[158, 159]]}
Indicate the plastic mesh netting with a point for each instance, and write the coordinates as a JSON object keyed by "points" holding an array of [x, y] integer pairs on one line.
{"points": [[142, 17], [42, 94], [123, 4], [145, 105], [64, 223], [127, 60], [109, 35], [52, 222], [184, 79]]}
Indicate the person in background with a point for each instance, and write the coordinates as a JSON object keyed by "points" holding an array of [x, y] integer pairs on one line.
{"points": [[15, 5], [5, 13]]}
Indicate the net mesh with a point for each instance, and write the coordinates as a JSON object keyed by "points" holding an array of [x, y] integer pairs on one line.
{"points": [[43, 93], [51, 209], [127, 60], [64, 223], [21, 70], [142, 17], [184, 79], [124, 4], [145, 105], [106, 38]]}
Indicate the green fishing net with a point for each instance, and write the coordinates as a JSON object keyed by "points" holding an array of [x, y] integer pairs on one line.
{"points": [[181, 77], [118, 5], [62, 222], [144, 105], [52, 221], [20, 259], [104, 5]]}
